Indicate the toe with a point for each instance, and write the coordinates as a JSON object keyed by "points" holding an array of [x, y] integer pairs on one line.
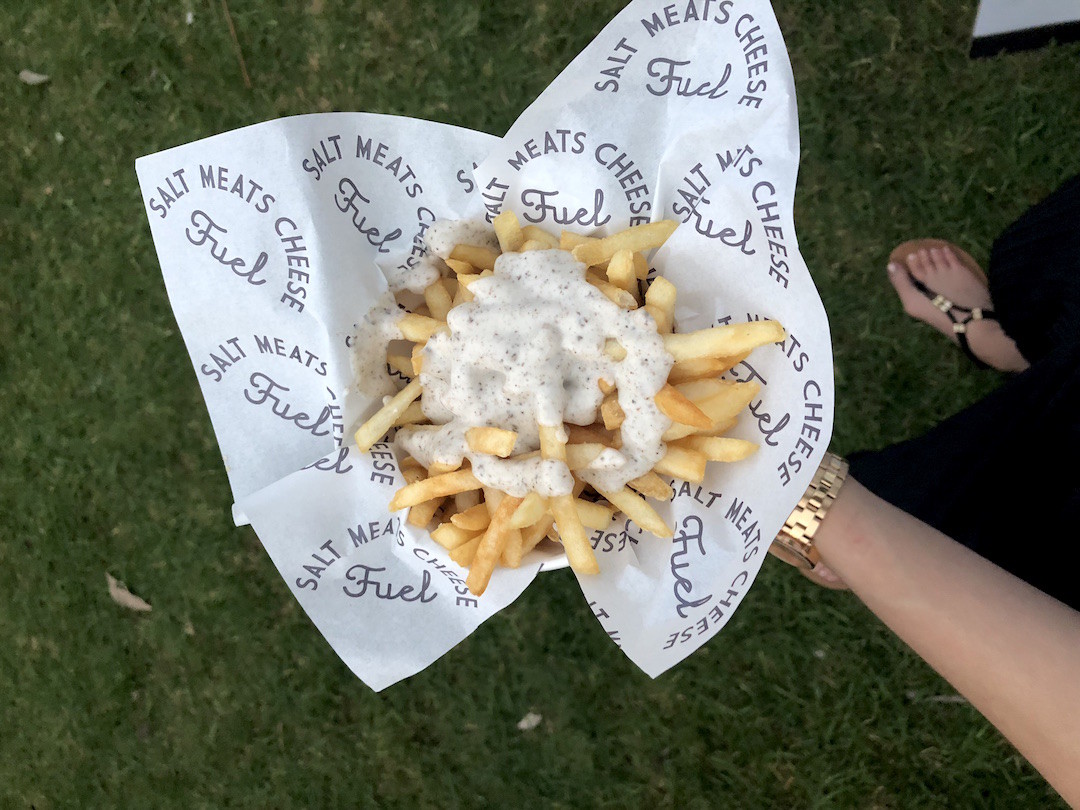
{"points": [[919, 264]]}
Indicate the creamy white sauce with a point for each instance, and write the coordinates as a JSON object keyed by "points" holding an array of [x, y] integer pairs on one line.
{"points": [[370, 341], [414, 279], [529, 350], [444, 234]]}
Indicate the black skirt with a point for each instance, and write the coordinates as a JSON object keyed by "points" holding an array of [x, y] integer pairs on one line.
{"points": [[1003, 475]]}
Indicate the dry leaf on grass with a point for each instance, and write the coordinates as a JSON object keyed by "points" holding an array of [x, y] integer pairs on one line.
{"points": [[30, 77], [125, 598], [529, 721]]}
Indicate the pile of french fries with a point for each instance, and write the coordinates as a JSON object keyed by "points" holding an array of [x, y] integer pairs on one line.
{"points": [[483, 527]]}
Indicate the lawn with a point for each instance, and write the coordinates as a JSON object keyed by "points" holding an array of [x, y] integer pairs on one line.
{"points": [[225, 694]]}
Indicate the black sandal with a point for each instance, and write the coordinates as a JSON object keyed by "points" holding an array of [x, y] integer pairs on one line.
{"points": [[960, 316]]}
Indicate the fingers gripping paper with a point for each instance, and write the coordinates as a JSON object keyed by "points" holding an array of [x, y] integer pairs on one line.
{"points": [[274, 241]]}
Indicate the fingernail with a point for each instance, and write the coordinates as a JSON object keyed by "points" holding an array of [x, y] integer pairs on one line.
{"points": [[911, 257], [893, 267]]}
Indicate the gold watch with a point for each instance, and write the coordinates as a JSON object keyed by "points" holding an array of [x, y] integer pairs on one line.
{"points": [[795, 542]]}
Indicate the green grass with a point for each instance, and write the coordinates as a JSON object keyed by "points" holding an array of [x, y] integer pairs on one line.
{"points": [[226, 695]]}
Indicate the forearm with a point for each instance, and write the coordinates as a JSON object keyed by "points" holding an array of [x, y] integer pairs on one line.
{"points": [[1011, 650]]}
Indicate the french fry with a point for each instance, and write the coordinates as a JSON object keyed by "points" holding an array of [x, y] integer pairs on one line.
{"points": [[651, 485], [677, 407], [580, 456], [419, 328], [450, 536], [620, 271], [438, 299], [637, 509], [417, 359], [568, 240], [719, 448], [614, 350], [532, 535], [422, 514], [593, 515], [375, 428], [460, 268], [620, 296], [412, 415], [641, 266], [491, 441], [463, 554], [531, 509], [572, 533], [475, 518], [480, 257], [532, 244], [660, 303], [636, 238], [400, 363], [441, 468], [701, 368], [552, 442], [437, 486], [720, 408], [491, 546], [538, 234], [611, 412], [723, 341], [513, 550], [508, 231], [684, 463]]}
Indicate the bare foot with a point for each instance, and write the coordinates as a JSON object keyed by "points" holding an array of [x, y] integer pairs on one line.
{"points": [[940, 271]]}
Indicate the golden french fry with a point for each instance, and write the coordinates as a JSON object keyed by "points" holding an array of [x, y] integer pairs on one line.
{"points": [[532, 535], [437, 486], [412, 415], [491, 441], [508, 231], [513, 550], [675, 405], [463, 554], [573, 536], [701, 368], [611, 412], [480, 257], [637, 509], [641, 266], [614, 350], [460, 267], [532, 244], [474, 519], [535, 233], [440, 467], [593, 515], [491, 546], [552, 442], [532, 508], [620, 271], [579, 456], [720, 408], [636, 238], [651, 485], [450, 536], [723, 341], [400, 363], [660, 303], [375, 428], [568, 240], [417, 359], [620, 296], [682, 462], [438, 299], [421, 514], [719, 448], [589, 434], [419, 328]]}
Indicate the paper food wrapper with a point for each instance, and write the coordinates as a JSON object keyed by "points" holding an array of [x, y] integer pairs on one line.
{"points": [[274, 240]]}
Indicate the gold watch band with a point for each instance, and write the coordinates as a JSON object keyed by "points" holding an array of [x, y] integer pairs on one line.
{"points": [[795, 542]]}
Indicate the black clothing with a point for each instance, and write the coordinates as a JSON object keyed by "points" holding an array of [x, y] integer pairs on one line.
{"points": [[1003, 475]]}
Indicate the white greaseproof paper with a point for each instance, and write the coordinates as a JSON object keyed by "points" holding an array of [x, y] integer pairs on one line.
{"points": [[275, 239]]}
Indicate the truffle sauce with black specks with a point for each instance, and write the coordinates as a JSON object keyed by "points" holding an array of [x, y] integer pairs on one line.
{"points": [[529, 351]]}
